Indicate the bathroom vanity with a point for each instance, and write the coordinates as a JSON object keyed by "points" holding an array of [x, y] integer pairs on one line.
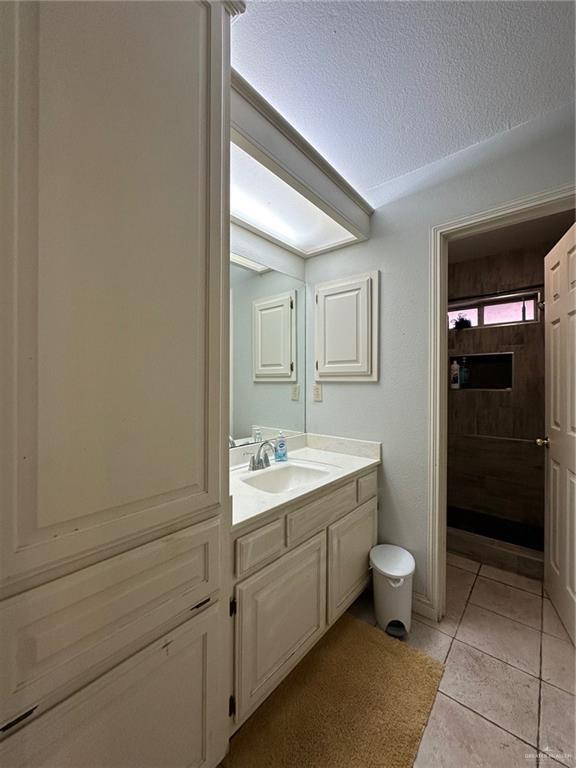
{"points": [[300, 539]]}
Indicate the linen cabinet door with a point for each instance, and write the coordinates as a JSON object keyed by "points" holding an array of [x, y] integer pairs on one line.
{"points": [[349, 543], [114, 211], [154, 710], [281, 612]]}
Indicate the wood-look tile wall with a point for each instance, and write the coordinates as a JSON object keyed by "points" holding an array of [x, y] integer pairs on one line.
{"points": [[493, 465]]}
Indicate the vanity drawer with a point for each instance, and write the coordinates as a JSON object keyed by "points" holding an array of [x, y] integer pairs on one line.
{"points": [[258, 547], [74, 627], [367, 487], [307, 520]]}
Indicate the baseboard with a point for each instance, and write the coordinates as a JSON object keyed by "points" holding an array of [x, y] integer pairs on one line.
{"points": [[422, 605]]}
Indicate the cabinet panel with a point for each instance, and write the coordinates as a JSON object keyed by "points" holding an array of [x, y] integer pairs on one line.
{"points": [[110, 289], [318, 514], [66, 629], [260, 546], [367, 487], [347, 329], [274, 338], [156, 709], [281, 614], [349, 543]]}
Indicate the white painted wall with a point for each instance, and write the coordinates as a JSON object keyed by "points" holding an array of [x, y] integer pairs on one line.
{"points": [[395, 409]]}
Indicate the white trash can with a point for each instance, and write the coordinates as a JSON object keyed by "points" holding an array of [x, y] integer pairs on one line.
{"points": [[392, 568]]}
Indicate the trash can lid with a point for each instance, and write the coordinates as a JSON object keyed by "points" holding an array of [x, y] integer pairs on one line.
{"points": [[392, 561]]}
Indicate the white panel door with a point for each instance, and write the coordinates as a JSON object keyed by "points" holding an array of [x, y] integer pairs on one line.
{"points": [[156, 710], [110, 283], [560, 313], [349, 543], [274, 338], [281, 612], [347, 329]]}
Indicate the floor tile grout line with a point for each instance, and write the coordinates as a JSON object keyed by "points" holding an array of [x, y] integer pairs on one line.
{"points": [[496, 658], [466, 570], [540, 681], [557, 687], [524, 624], [504, 617], [512, 586], [499, 581], [487, 719], [433, 624], [461, 617], [549, 634], [496, 725], [509, 618]]}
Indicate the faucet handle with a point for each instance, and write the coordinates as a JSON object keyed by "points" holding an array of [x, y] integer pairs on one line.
{"points": [[265, 459], [252, 465]]}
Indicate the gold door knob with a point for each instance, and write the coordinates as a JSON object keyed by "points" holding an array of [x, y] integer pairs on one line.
{"points": [[543, 442]]}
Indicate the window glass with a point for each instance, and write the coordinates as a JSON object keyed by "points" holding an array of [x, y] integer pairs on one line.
{"points": [[509, 312], [468, 314]]}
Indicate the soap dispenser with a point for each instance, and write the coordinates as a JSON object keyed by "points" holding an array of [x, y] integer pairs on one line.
{"points": [[281, 450]]}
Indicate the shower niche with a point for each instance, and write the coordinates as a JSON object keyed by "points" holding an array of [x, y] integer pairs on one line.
{"points": [[485, 371]]}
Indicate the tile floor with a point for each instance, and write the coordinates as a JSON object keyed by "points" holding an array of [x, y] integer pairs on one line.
{"points": [[506, 698]]}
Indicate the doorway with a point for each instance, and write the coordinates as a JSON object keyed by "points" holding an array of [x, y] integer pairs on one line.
{"points": [[496, 402], [493, 223]]}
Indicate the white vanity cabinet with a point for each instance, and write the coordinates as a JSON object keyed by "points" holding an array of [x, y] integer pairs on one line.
{"points": [[349, 543], [281, 614], [307, 564]]}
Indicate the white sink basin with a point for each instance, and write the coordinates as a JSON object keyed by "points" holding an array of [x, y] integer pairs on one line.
{"points": [[284, 477]]}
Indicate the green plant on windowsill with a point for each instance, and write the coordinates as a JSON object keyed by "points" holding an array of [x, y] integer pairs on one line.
{"points": [[462, 322]]}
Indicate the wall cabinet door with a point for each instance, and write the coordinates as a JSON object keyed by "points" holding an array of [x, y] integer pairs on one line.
{"points": [[349, 543], [281, 612], [156, 709], [274, 338], [113, 206], [62, 634], [347, 329]]}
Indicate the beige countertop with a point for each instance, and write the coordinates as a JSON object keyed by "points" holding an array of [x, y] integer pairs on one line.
{"points": [[347, 458]]}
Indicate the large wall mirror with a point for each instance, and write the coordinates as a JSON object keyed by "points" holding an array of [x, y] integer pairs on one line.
{"points": [[267, 353]]}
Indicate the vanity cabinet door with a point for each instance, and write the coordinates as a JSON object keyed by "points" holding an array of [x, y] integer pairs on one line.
{"points": [[349, 543], [281, 612]]}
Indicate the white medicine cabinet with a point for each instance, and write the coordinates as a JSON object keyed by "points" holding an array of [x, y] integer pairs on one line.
{"points": [[274, 338], [346, 323]]}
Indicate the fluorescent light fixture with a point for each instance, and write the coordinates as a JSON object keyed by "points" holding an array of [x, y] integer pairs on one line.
{"points": [[242, 261], [263, 201]]}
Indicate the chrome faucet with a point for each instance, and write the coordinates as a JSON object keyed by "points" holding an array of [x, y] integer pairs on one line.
{"points": [[260, 459]]}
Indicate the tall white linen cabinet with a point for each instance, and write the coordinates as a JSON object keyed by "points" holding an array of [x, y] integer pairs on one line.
{"points": [[114, 626]]}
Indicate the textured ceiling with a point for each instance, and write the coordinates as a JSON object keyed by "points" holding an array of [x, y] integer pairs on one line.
{"points": [[384, 88]]}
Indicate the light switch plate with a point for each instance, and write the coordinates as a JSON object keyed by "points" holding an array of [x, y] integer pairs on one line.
{"points": [[317, 393], [295, 392]]}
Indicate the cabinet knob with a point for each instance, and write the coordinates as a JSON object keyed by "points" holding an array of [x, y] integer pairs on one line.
{"points": [[543, 442]]}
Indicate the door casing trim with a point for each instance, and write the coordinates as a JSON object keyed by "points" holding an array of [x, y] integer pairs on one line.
{"points": [[433, 603]]}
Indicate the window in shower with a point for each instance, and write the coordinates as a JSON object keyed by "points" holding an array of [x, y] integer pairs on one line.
{"points": [[493, 310]]}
